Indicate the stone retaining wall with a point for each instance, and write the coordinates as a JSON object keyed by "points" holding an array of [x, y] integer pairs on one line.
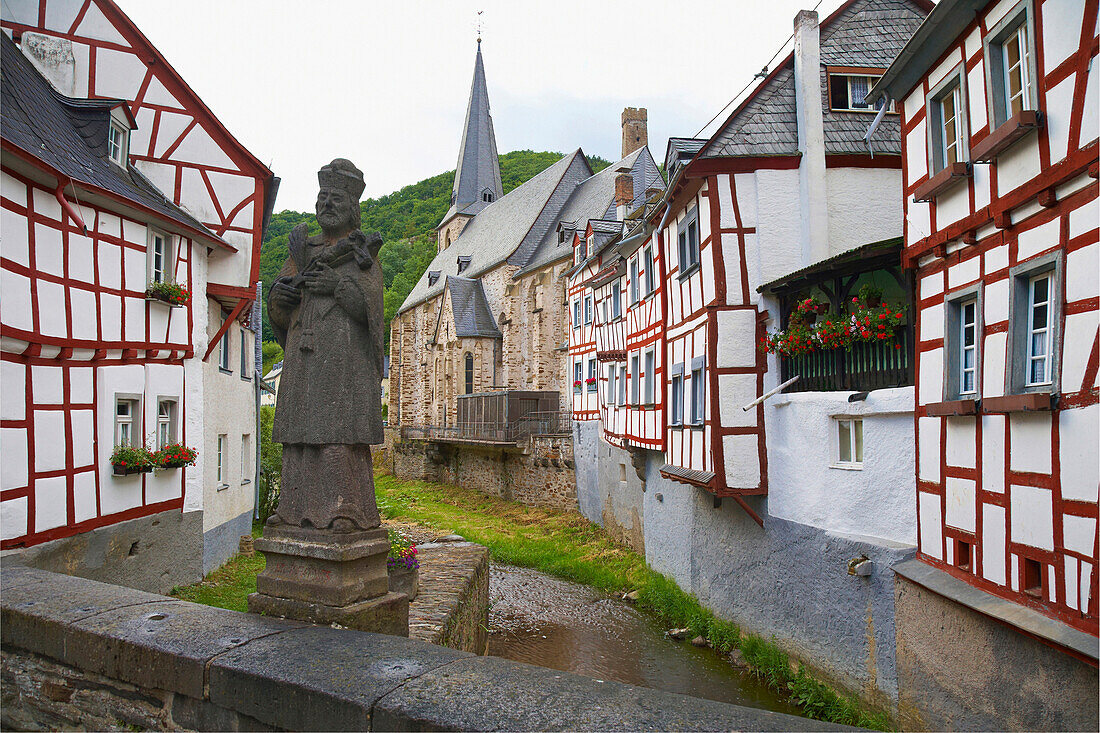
{"points": [[82, 654], [452, 608], [538, 472]]}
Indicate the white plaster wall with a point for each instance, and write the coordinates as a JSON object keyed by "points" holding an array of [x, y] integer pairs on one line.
{"points": [[229, 407], [779, 235], [876, 501], [864, 205]]}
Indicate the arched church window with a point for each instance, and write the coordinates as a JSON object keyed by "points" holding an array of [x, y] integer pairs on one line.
{"points": [[469, 373]]}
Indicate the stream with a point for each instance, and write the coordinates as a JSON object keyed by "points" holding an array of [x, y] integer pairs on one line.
{"points": [[538, 619]]}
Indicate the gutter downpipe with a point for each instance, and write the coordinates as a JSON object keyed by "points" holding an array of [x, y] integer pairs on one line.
{"points": [[59, 194], [874, 125], [257, 337]]}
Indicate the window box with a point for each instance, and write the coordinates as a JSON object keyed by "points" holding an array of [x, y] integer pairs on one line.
{"points": [[174, 295], [940, 182], [127, 470], [1028, 402], [952, 408], [1004, 136]]}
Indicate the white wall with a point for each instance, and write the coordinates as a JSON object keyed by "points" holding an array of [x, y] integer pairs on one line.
{"points": [[864, 206]]}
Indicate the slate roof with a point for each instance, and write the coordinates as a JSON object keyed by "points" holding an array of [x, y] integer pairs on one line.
{"points": [[594, 199], [478, 165], [471, 308], [70, 136], [495, 233], [861, 33]]}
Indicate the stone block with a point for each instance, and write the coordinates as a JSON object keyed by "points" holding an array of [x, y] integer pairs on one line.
{"points": [[489, 693], [328, 569], [164, 645], [385, 614], [319, 678]]}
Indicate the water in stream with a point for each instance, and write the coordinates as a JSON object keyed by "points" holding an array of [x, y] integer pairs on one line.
{"points": [[541, 620]]}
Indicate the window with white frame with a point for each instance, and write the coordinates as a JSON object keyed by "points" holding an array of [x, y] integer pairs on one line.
{"points": [[161, 261], [848, 92], [676, 396], [622, 384], [246, 372], [577, 313], [968, 347], [118, 143], [650, 281], [223, 456], [166, 422], [127, 420], [616, 300], [1010, 65], [635, 379], [947, 127], [962, 343], [609, 397], [606, 307], [592, 374], [688, 240], [246, 458], [698, 391], [634, 281], [223, 349], [849, 445], [588, 309], [650, 369], [1035, 314], [578, 375]]}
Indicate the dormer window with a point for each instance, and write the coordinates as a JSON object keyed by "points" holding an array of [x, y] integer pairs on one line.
{"points": [[433, 277], [487, 196], [118, 143], [848, 91], [463, 263]]}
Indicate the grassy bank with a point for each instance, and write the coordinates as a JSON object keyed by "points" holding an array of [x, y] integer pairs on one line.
{"points": [[229, 585], [567, 545]]}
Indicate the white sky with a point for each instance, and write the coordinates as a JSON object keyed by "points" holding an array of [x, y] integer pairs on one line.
{"points": [[386, 84]]}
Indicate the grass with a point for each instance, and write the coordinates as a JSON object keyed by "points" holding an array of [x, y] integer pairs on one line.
{"points": [[229, 585], [566, 545]]}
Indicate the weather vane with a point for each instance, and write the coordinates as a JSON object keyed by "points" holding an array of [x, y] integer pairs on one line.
{"points": [[479, 25]]}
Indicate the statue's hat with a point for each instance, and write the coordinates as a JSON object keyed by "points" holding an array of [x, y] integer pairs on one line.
{"points": [[342, 174]]}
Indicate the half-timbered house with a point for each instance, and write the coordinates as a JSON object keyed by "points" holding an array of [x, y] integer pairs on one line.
{"points": [[1000, 108], [116, 177]]}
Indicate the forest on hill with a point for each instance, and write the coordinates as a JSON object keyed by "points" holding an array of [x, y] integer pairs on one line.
{"points": [[406, 219]]}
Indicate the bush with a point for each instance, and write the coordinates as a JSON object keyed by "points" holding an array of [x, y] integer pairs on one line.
{"points": [[271, 464]]}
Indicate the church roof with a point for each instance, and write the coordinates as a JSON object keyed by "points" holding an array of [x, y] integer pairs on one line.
{"points": [[497, 232], [594, 199], [470, 307], [478, 170], [862, 33], [70, 136]]}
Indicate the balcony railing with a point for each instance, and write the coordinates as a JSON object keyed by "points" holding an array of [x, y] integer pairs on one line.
{"points": [[494, 433], [867, 366]]}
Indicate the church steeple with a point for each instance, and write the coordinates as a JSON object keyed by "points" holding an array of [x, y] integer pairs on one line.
{"points": [[477, 177]]}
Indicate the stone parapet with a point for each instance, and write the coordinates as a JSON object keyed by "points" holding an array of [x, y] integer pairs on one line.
{"points": [[452, 609], [83, 654]]}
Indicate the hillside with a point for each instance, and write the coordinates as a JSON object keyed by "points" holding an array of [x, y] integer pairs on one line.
{"points": [[406, 219]]}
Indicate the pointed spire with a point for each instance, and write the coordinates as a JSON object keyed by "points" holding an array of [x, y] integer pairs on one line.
{"points": [[477, 176]]}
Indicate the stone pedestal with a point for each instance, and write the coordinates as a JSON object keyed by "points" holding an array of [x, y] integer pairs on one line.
{"points": [[324, 577]]}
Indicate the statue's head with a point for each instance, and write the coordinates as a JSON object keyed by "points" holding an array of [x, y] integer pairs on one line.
{"points": [[338, 200]]}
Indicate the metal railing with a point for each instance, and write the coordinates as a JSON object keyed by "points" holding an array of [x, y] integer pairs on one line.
{"points": [[533, 423]]}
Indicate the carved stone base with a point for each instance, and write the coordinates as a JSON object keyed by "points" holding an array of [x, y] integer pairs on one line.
{"points": [[324, 577]]}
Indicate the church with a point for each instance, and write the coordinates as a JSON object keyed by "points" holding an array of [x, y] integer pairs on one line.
{"points": [[490, 314]]}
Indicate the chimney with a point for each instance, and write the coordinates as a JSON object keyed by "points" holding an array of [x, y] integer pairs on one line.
{"points": [[635, 134], [811, 137], [624, 195]]}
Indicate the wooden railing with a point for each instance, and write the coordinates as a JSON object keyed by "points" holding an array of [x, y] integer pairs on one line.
{"points": [[866, 366]]}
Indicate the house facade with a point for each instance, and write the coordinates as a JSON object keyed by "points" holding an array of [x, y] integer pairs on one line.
{"points": [[778, 510], [117, 177], [999, 107]]}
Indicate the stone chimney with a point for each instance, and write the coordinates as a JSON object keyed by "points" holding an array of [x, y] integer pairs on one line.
{"points": [[635, 133], [624, 195], [811, 137], [54, 59]]}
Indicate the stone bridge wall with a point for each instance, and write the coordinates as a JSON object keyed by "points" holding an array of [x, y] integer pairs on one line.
{"points": [[537, 472], [81, 654]]}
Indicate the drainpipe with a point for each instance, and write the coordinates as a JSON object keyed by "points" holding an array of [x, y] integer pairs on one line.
{"points": [[59, 194], [874, 125], [257, 331]]}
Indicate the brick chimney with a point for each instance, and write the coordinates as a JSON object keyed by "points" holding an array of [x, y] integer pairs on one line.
{"points": [[624, 195], [635, 133]]}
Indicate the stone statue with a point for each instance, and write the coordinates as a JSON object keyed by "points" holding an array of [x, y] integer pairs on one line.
{"points": [[325, 549], [326, 311]]}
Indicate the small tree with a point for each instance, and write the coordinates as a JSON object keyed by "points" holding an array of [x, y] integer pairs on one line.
{"points": [[272, 353], [271, 464]]}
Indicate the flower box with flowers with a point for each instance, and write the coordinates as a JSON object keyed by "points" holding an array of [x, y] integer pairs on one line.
{"points": [[126, 460], [175, 455], [590, 380], [576, 384], [403, 565], [174, 295], [864, 323]]}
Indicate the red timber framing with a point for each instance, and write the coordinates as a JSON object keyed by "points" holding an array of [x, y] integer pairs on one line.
{"points": [[987, 232]]}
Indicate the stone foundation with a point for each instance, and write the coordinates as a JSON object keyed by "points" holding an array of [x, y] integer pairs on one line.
{"points": [[538, 472], [452, 609]]}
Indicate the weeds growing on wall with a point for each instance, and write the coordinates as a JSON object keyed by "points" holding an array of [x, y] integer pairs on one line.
{"points": [[567, 545]]}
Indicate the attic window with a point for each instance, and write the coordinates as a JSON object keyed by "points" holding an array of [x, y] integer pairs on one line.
{"points": [[848, 92], [463, 263], [433, 277], [487, 196], [117, 143]]}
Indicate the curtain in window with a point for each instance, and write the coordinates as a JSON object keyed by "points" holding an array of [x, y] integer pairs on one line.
{"points": [[860, 85]]}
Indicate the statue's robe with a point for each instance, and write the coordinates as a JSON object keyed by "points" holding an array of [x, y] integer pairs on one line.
{"points": [[329, 406]]}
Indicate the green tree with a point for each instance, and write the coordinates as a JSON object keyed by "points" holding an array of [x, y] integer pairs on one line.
{"points": [[272, 354], [271, 464]]}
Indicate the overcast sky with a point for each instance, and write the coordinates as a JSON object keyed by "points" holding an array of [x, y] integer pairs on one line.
{"points": [[385, 84]]}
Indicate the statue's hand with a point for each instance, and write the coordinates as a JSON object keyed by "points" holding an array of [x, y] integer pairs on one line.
{"points": [[284, 295], [322, 280]]}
